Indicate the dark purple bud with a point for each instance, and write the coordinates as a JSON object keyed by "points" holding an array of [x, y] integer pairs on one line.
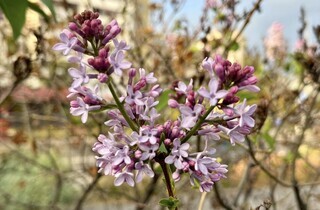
{"points": [[175, 132], [248, 70], [230, 99], [86, 29], [108, 28], [200, 99], [167, 125], [88, 100], [91, 61], [73, 26], [191, 163], [219, 69], [160, 129], [94, 23], [140, 84], [103, 53], [99, 62], [233, 72], [132, 72]]}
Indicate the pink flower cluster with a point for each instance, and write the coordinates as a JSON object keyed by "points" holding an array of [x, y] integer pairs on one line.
{"points": [[275, 43], [136, 139]]}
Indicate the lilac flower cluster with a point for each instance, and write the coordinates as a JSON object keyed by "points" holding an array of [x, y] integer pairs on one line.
{"points": [[136, 139]]}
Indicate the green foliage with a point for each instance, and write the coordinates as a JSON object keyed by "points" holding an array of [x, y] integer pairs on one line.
{"points": [[49, 4], [35, 7], [163, 149], [15, 12], [269, 140], [234, 46], [171, 203], [163, 100]]}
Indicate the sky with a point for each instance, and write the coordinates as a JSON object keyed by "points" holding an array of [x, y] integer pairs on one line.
{"points": [[286, 12]]}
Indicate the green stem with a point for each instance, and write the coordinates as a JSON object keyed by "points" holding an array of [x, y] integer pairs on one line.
{"points": [[132, 125], [94, 47], [168, 178], [197, 125]]}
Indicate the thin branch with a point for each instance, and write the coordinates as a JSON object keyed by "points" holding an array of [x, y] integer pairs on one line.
{"points": [[263, 168], [149, 192], [256, 7], [302, 205], [221, 201], [87, 191], [242, 184]]}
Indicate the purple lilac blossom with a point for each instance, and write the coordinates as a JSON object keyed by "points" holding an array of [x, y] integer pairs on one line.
{"points": [[118, 63], [79, 76], [189, 115], [124, 177], [213, 94], [245, 113], [129, 157], [143, 169], [67, 44], [234, 133], [83, 109], [178, 152]]}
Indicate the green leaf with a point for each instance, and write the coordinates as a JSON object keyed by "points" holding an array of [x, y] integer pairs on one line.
{"points": [[49, 4], [163, 100], [163, 148], [269, 140], [246, 94], [234, 46], [171, 203], [35, 7], [15, 12]]}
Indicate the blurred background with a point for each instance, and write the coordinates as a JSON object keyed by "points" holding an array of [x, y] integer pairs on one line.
{"points": [[46, 160]]}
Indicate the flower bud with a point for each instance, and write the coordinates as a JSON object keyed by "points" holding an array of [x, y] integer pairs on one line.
{"points": [[137, 154], [167, 142], [132, 72], [74, 104], [103, 53], [173, 103], [73, 26], [103, 78]]}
